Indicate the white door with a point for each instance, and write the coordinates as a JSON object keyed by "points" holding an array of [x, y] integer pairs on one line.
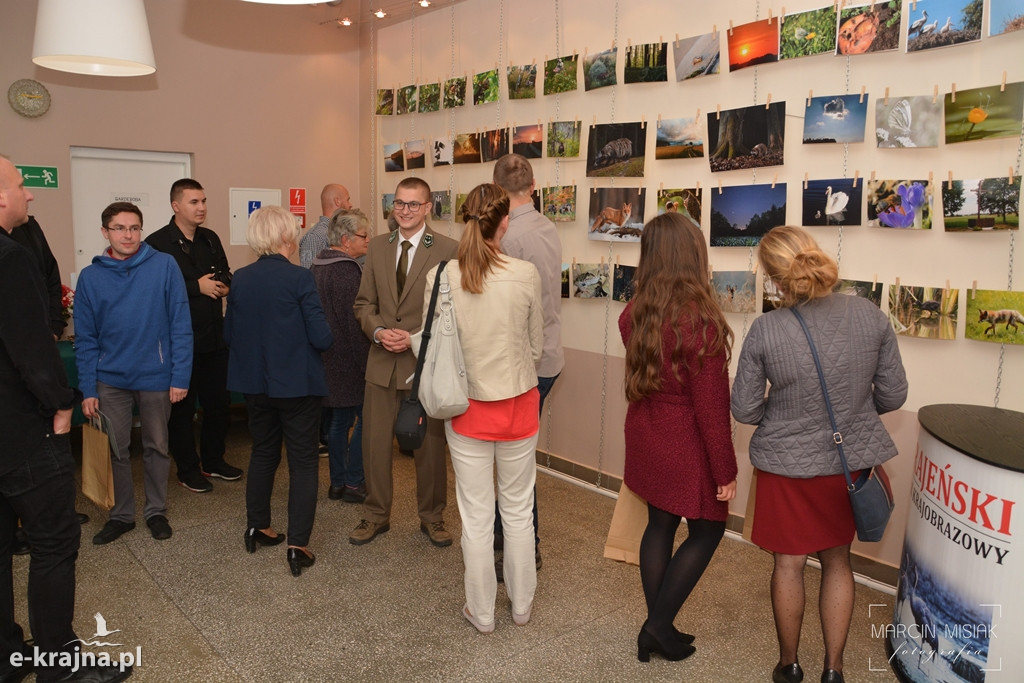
{"points": [[100, 177]]}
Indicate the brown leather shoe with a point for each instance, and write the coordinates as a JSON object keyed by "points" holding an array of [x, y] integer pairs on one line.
{"points": [[366, 531], [438, 535]]}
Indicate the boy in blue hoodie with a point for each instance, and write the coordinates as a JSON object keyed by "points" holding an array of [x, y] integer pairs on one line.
{"points": [[133, 343]]}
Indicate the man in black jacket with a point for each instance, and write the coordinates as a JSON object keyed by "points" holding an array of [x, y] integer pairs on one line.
{"points": [[36, 467], [204, 266]]}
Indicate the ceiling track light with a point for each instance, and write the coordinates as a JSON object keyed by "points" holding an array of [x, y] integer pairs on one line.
{"points": [[380, 14], [424, 3], [344, 22]]}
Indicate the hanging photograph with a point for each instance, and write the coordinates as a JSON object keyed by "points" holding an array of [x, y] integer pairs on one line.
{"points": [[908, 121], [441, 205], [387, 204], [394, 160], [485, 87], [697, 56], [414, 151], [647, 63], [590, 280], [566, 279], [900, 204], [599, 69], [406, 100], [735, 290], [803, 34], [564, 139], [560, 203], [455, 92], [926, 29], [753, 44], [616, 150], [741, 215], [528, 141], [835, 118], [443, 151], [430, 98], [679, 139], [994, 315], [1005, 16], [771, 295], [560, 74], [466, 148], [495, 144], [869, 28], [522, 82], [835, 201], [616, 214], [623, 287], [460, 199], [924, 312], [981, 204], [385, 102], [984, 113], [686, 201], [751, 137], [872, 291]]}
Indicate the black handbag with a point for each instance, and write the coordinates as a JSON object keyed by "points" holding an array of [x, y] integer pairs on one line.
{"points": [[871, 495], [411, 421]]}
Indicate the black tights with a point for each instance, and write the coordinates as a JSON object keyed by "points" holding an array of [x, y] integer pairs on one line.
{"points": [[668, 579]]}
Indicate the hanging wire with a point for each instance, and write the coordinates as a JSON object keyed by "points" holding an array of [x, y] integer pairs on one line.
{"points": [[450, 136], [412, 75], [1009, 276], [501, 61], [374, 142], [558, 96]]}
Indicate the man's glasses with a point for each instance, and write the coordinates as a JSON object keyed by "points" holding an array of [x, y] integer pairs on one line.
{"points": [[122, 229], [412, 206]]}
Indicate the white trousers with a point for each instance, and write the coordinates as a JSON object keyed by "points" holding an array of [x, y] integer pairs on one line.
{"points": [[473, 461]]}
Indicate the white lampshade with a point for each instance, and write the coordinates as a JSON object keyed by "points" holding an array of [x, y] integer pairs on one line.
{"points": [[98, 37]]}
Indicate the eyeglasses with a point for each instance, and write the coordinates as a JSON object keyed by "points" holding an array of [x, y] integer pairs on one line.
{"points": [[364, 236], [122, 229], [412, 206]]}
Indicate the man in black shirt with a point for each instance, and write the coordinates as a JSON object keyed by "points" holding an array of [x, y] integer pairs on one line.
{"points": [[204, 266]]}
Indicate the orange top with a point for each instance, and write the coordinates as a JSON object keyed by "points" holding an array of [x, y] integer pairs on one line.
{"points": [[510, 419]]}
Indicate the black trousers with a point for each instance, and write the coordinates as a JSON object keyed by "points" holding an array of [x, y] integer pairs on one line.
{"points": [[209, 385], [41, 491], [296, 423]]}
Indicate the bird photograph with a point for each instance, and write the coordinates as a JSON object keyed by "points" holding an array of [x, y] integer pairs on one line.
{"points": [[833, 201]]}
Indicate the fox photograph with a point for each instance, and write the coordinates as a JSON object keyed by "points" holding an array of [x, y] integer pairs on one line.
{"points": [[995, 315], [923, 312], [616, 150], [616, 214]]}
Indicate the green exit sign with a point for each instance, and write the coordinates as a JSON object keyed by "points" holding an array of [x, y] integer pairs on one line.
{"points": [[39, 176]]}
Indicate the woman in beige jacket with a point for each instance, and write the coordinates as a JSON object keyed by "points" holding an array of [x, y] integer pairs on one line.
{"points": [[498, 308]]}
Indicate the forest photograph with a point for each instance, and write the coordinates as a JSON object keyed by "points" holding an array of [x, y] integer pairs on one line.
{"points": [[466, 148], [646, 63], [979, 204], [560, 74], [485, 87], [406, 100], [455, 92], [742, 214], [385, 102], [559, 203], [522, 82], [430, 97], [564, 139], [599, 69], [495, 144], [750, 137]]}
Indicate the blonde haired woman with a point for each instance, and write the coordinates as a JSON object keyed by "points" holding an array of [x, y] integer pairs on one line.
{"points": [[801, 503], [276, 329], [500, 322]]}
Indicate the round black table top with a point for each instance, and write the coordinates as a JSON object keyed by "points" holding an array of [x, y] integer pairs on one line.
{"points": [[991, 435]]}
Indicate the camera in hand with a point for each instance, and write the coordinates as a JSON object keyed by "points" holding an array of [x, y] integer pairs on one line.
{"points": [[222, 276]]}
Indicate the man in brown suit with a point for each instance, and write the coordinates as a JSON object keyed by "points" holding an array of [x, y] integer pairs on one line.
{"points": [[389, 306]]}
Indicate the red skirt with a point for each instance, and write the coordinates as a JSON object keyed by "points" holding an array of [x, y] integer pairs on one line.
{"points": [[801, 516]]}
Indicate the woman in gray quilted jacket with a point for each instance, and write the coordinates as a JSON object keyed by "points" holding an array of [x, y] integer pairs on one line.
{"points": [[801, 505]]}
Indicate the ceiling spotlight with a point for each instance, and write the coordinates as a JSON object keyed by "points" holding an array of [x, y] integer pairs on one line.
{"points": [[424, 3], [345, 22], [380, 14]]}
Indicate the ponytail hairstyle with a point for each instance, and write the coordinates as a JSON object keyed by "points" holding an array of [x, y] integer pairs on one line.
{"points": [[797, 265], [479, 254], [673, 285]]}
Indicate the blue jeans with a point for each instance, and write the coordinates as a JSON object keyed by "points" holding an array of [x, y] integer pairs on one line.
{"points": [[345, 455], [544, 385], [41, 491]]}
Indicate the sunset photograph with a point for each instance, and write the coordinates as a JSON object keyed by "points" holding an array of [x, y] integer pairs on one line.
{"points": [[754, 43]]}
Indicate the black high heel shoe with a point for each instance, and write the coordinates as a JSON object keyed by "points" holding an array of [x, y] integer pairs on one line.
{"points": [[787, 673], [832, 676], [687, 638], [255, 538], [646, 643], [298, 559]]}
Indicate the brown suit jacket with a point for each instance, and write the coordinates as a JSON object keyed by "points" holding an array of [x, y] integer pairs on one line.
{"points": [[378, 304]]}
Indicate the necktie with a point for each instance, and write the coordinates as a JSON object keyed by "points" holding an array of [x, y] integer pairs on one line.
{"points": [[403, 265]]}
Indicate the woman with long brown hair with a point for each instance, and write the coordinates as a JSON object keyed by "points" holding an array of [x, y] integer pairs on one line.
{"points": [[500, 322], [679, 453]]}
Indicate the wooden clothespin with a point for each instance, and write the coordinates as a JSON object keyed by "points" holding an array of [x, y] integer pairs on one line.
{"points": [[661, 186], [768, 102], [974, 289], [913, 5], [782, 14], [931, 177], [730, 27], [574, 263], [719, 186], [862, 90], [856, 175], [714, 31], [872, 179], [770, 19], [602, 259], [775, 180], [718, 112], [886, 100], [897, 283], [947, 284], [643, 121], [1010, 175], [677, 40], [949, 181], [1002, 85], [952, 94], [810, 96], [805, 180], [616, 260], [659, 121], [698, 188], [874, 282], [629, 43], [697, 117]]}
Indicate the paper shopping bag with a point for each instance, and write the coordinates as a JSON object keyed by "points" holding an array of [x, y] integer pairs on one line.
{"points": [[97, 474], [628, 523]]}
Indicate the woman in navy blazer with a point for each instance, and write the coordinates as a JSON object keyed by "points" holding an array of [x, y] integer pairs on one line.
{"points": [[275, 328]]}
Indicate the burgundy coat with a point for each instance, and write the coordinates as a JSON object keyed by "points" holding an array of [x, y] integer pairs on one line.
{"points": [[679, 440], [337, 280]]}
